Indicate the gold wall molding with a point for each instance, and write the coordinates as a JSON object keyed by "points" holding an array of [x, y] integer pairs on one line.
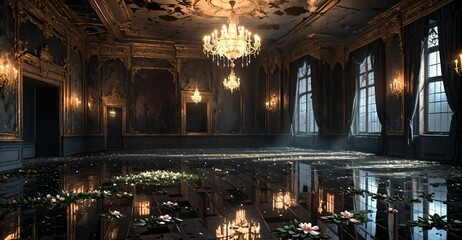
{"points": [[189, 51], [43, 68]]}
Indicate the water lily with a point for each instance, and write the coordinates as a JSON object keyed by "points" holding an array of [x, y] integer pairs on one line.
{"points": [[354, 220], [116, 214], [168, 203], [165, 218], [346, 214], [307, 228]]}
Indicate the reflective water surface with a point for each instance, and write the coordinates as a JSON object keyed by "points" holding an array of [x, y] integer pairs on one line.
{"points": [[241, 194]]}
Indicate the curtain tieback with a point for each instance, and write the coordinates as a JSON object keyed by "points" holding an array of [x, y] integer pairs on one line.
{"points": [[456, 111]]}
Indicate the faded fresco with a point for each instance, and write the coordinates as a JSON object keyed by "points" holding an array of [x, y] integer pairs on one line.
{"points": [[196, 72], [114, 75], [76, 93], [8, 90], [153, 103], [34, 41], [93, 96]]}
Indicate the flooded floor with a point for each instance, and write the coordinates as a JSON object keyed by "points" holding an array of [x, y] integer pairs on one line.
{"points": [[238, 194]]}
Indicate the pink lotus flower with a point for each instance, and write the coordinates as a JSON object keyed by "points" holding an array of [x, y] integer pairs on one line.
{"points": [[354, 220], [165, 218], [346, 214], [307, 228]]}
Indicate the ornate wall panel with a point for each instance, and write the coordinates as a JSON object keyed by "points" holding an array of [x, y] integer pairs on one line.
{"points": [[337, 101], [274, 92], [9, 90], [153, 102], [93, 123], [75, 93], [196, 72], [114, 75], [261, 99]]}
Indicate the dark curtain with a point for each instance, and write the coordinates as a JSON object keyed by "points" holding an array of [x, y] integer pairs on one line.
{"points": [[378, 64], [450, 41], [377, 50], [316, 87], [293, 70], [350, 93], [413, 39]]}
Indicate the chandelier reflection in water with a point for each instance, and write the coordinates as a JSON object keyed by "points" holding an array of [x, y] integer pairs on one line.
{"points": [[233, 42], [232, 81], [239, 228]]}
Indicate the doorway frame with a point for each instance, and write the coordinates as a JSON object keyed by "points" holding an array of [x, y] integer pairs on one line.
{"points": [[186, 98], [114, 101]]}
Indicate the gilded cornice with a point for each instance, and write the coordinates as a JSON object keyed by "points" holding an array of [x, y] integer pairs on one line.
{"points": [[390, 23], [43, 67], [47, 18], [164, 51], [190, 51]]}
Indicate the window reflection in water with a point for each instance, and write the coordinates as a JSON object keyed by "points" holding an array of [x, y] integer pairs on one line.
{"points": [[239, 228], [426, 208]]}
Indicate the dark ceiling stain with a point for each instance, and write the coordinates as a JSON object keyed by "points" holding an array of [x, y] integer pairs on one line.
{"points": [[134, 9], [295, 11], [139, 3], [154, 6], [178, 10], [267, 26], [150, 19], [376, 9], [278, 12], [168, 18]]}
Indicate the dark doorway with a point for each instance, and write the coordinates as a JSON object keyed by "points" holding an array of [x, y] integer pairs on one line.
{"points": [[196, 117], [114, 128], [47, 121]]}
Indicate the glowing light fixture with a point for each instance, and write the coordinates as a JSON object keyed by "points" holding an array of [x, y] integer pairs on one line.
{"points": [[271, 104], [5, 74], [397, 87], [232, 81], [458, 67], [232, 42], [197, 96], [112, 113]]}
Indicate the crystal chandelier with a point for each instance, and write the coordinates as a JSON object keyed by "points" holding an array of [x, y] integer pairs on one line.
{"points": [[232, 81], [233, 42], [197, 96]]}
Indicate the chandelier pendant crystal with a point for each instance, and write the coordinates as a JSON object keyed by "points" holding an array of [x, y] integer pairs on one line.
{"points": [[232, 82], [232, 42]]}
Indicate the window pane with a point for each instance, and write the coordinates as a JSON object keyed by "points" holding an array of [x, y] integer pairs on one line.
{"points": [[302, 85], [302, 114]]}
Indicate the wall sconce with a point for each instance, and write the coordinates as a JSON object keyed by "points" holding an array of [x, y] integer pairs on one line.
{"points": [[397, 87], [271, 104], [5, 75], [458, 67], [197, 96], [112, 113], [76, 103]]}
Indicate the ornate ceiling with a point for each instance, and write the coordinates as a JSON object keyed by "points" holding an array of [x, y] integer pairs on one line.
{"points": [[278, 22]]}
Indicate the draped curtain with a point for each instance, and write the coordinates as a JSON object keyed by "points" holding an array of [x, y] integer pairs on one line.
{"points": [[413, 39], [377, 50], [317, 74], [450, 42], [293, 92], [378, 64]]}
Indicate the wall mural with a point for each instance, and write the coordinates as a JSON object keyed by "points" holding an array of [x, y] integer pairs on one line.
{"points": [[76, 108], [153, 102], [8, 92], [196, 72], [114, 75], [93, 96], [34, 40]]}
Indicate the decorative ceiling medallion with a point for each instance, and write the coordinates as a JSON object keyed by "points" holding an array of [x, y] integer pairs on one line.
{"points": [[221, 8]]}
